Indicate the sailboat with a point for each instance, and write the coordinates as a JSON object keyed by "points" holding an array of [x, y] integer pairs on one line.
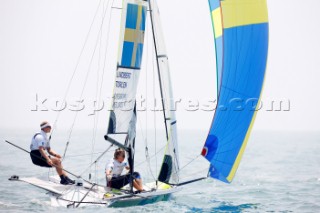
{"points": [[241, 44]]}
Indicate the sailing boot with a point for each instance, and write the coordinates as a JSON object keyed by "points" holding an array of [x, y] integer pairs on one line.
{"points": [[69, 180], [63, 180]]}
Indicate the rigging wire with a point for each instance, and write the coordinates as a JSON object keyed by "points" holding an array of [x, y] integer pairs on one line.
{"points": [[83, 89], [155, 155], [98, 92], [192, 175], [147, 155], [83, 155], [186, 165], [76, 68], [142, 132], [154, 111], [97, 86], [89, 167], [104, 69]]}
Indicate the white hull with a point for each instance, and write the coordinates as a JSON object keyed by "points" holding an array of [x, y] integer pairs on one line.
{"points": [[80, 196], [75, 199]]}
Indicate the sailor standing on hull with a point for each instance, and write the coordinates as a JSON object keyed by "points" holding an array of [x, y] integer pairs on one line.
{"points": [[40, 148]]}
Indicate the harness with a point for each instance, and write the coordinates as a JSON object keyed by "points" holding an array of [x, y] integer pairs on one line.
{"points": [[33, 138]]}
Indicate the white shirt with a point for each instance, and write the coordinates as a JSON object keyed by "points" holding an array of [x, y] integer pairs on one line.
{"points": [[116, 167], [40, 139]]}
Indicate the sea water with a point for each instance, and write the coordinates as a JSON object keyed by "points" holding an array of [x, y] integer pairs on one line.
{"points": [[280, 172]]}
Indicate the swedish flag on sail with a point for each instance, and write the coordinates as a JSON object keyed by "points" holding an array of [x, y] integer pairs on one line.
{"points": [[134, 36]]}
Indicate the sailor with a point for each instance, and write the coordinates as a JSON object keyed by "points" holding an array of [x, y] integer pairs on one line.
{"points": [[114, 170], [42, 155]]}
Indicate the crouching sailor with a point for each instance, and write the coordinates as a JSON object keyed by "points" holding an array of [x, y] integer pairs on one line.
{"points": [[42, 155], [114, 169]]}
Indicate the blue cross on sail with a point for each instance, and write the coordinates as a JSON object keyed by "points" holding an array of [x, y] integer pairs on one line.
{"points": [[133, 37]]}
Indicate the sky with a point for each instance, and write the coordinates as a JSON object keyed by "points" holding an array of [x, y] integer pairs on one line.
{"points": [[40, 42]]}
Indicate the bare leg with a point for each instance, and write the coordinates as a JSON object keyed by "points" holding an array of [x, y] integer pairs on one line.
{"points": [[58, 165], [137, 183]]}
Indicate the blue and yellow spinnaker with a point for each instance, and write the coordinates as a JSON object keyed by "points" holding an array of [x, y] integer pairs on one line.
{"points": [[241, 39]]}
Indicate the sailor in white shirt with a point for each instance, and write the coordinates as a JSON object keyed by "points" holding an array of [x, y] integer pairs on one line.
{"points": [[114, 169], [42, 155]]}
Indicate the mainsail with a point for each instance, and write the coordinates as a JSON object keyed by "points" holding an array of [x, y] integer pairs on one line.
{"points": [[122, 123], [122, 117], [241, 35], [169, 172]]}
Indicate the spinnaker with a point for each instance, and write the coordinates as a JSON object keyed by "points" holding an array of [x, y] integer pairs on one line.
{"points": [[241, 37]]}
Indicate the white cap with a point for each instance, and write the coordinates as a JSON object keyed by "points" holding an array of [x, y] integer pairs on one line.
{"points": [[45, 125]]}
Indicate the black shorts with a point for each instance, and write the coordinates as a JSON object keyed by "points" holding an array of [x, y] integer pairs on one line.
{"points": [[38, 160], [121, 181]]}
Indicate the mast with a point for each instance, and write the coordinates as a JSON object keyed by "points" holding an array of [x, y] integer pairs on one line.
{"points": [[158, 67]]}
